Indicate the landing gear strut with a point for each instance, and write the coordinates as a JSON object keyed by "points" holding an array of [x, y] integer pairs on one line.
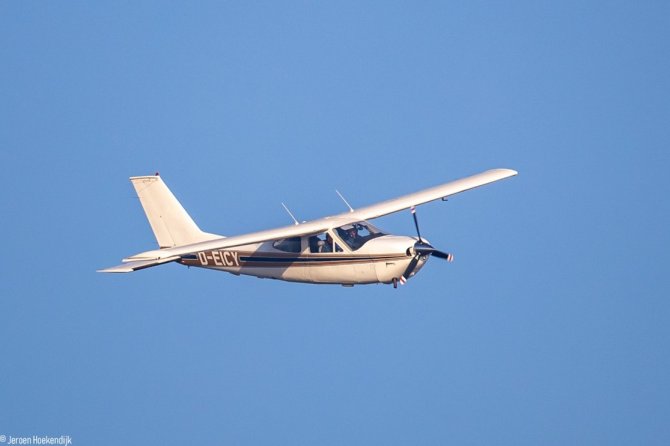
{"points": [[395, 282]]}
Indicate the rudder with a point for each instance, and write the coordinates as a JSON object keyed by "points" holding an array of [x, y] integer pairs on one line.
{"points": [[169, 221]]}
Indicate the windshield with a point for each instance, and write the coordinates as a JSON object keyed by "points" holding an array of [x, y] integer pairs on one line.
{"points": [[356, 235]]}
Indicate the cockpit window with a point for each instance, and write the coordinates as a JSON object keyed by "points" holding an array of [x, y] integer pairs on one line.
{"points": [[357, 234], [288, 244]]}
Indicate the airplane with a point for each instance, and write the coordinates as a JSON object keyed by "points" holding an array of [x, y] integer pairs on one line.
{"points": [[344, 249]]}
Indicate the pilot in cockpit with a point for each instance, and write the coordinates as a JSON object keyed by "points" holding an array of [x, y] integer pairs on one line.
{"points": [[352, 239]]}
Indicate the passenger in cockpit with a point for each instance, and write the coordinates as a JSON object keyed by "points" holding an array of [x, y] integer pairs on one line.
{"points": [[314, 243], [327, 246]]}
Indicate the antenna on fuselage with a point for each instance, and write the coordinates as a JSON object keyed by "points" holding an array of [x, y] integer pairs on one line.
{"points": [[289, 213], [345, 201]]}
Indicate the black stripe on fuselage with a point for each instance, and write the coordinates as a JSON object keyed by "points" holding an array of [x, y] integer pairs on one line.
{"points": [[284, 260], [300, 259]]}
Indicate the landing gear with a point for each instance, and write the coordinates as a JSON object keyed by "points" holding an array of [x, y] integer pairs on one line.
{"points": [[395, 282]]}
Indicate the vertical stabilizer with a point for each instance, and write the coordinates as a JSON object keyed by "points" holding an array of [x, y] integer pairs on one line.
{"points": [[170, 222]]}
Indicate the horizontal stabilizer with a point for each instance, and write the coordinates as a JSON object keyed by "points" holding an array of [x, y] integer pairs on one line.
{"points": [[129, 267]]}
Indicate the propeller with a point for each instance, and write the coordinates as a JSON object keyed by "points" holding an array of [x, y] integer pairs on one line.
{"points": [[416, 223], [422, 248]]}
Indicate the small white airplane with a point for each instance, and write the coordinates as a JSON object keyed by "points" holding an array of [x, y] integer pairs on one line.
{"points": [[342, 249]]}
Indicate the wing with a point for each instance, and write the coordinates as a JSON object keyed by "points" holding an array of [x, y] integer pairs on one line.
{"points": [[432, 194], [159, 256]]}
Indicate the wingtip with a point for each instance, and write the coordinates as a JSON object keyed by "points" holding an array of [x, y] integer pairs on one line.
{"points": [[507, 172], [115, 270]]}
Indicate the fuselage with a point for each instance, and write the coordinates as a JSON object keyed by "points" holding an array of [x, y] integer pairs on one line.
{"points": [[381, 259]]}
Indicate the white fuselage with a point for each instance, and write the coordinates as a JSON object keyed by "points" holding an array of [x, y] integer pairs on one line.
{"points": [[381, 260]]}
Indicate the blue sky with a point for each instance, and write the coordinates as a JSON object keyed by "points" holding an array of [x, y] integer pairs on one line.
{"points": [[550, 327]]}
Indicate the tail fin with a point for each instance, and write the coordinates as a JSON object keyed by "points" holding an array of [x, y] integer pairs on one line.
{"points": [[170, 222]]}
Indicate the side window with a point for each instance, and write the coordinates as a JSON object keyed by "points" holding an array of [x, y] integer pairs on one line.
{"points": [[323, 243], [288, 244]]}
